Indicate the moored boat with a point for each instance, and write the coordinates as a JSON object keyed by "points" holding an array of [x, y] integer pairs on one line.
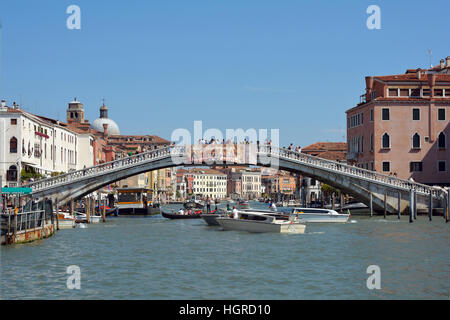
{"points": [[65, 220]]}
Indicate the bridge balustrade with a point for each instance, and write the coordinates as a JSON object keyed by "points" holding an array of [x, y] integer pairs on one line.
{"points": [[239, 158]]}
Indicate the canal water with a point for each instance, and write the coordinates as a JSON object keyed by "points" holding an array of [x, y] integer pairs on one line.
{"points": [[156, 258]]}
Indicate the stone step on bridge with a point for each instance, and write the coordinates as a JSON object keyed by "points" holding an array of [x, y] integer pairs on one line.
{"points": [[360, 183]]}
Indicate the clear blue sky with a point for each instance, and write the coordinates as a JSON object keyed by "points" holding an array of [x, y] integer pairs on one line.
{"points": [[160, 65]]}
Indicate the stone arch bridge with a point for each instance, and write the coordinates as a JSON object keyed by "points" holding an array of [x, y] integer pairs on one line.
{"points": [[360, 183]]}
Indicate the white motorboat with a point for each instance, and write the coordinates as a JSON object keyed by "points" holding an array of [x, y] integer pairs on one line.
{"points": [[65, 220], [355, 207], [82, 218], [259, 222], [319, 215]]}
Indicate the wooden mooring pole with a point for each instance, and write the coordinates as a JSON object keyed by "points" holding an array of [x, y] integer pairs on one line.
{"points": [[88, 209], [430, 206], [411, 205], [385, 205], [104, 210], [415, 205], [342, 202], [398, 205], [57, 214], [446, 213], [371, 204]]}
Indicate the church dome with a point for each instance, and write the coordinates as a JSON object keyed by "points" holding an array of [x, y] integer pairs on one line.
{"points": [[113, 128]]}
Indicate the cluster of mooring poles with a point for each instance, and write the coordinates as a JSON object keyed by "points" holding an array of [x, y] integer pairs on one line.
{"points": [[413, 205]]}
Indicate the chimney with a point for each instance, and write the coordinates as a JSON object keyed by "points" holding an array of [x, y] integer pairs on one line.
{"points": [[448, 62], [442, 64], [3, 106], [419, 73], [369, 86]]}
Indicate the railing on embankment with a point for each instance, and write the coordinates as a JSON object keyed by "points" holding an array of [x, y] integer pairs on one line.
{"points": [[27, 226]]}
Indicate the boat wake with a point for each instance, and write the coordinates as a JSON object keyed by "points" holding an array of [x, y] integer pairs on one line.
{"points": [[353, 221]]}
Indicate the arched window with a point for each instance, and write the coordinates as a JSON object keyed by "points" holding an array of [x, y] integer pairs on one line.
{"points": [[386, 141], [441, 141], [11, 174], [13, 145], [416, 141]]}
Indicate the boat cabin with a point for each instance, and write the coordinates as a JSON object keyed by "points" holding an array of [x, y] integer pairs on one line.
{"points": [[133, 198]]}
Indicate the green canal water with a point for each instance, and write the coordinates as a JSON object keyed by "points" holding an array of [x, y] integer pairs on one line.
{"points": [[156, 258]]}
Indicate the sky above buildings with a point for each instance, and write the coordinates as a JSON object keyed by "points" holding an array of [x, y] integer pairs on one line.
{"points": [[296, 66]]}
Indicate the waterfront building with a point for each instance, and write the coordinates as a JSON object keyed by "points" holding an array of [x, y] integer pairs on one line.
{"points": [[280, 186], [33, 146], [203, 182], [402, 125]]}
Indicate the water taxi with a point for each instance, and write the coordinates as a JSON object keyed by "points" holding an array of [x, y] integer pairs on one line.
{"points": [[319, 215], [262, 222]]}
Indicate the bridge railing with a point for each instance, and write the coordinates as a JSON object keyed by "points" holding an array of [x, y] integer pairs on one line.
{"points": [[238, 158], [102, 168], [395, 182]]}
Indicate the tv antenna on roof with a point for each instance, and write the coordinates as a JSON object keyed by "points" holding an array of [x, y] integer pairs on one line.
{"points": [[430, 53]]}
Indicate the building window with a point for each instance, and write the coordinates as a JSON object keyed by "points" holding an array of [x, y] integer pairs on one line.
{"points": [[415, 92], [11, 174], [416, 141], [13, 122], [404, 92], [13, 145], [385, 114], [441, 166], [371, 114], [425, 92], [393, 92], [386, 166], [415, 114], [371, 166], [439, 92], [441, 114], [415, 166], [441, 141], [371, 142], [386, 141], [362, 144]]}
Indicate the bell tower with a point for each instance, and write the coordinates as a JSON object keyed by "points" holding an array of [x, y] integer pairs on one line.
{"points": [[75, 112]]}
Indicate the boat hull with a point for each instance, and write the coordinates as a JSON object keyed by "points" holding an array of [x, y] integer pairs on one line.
{"points": [[260, 227], [325, 218], [66, 223], [179, 216], [138, 211], [211, 219]]}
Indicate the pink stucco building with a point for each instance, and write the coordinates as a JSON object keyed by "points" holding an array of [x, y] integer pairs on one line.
{"points": [[402, 125]]}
